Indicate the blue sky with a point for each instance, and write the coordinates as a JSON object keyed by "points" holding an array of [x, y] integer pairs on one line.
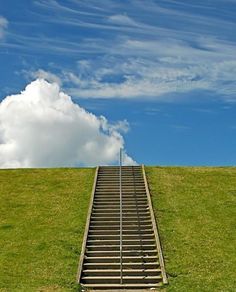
{"points": [[166, 67]]}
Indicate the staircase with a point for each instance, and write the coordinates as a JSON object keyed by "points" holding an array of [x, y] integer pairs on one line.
{"points": [[121, 247]]}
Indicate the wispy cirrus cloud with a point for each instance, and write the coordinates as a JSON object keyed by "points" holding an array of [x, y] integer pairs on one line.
{"points": [[3, 26], [180, 68], [42, 74], [134, 51]]}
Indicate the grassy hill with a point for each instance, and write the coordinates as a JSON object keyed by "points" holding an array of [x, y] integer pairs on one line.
{"points": [[43, 213], [42, 219], [196, 209]]}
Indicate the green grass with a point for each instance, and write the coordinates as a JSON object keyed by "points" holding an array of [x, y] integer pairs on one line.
{"points": [[196, 211], [42, 219]]}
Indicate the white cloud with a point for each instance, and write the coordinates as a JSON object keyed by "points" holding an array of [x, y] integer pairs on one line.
{"points": [[145, 78], [135, 68], [42, 74], [3, 26], [162, 67], [42, 127], [158, 49], [122, 19]]}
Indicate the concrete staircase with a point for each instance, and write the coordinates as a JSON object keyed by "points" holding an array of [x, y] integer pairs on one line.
{"points": [[121, 246]]}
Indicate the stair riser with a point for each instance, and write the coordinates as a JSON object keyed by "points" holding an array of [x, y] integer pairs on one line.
{"points": [[125, 193], [117, 248], [117, 232], [108, 266], [124, 209], [116, 197], [116, 223], [116, 178], [124, 215], [117, 260], [125, 218], [116, 189], [125, 281], [124, 237], [116, 201], [133, 201], [111, 221], [116, 242], [116, 207], [117, 273], [115, 182], [108, 287], [124, 253], [134, 187]]}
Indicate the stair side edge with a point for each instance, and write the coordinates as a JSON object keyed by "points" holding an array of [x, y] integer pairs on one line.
{"points": [[82, 253], [155, 227]]}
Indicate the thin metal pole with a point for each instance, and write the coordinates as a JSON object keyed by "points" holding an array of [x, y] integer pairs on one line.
{"points": [[121, 215]]}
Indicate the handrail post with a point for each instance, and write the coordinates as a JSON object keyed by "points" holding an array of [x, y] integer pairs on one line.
{"points": [[121, 218]]}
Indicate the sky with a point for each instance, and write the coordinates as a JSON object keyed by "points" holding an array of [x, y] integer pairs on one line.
{"points": [[80, 79]]}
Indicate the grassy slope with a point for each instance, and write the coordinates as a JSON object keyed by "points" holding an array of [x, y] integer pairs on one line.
{"points": [[43, 213], [42, 219], [196, 213]]}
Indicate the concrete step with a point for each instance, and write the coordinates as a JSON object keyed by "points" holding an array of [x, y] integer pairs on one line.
{"points": [[125, 177], [139, 252], [125, 191], [116, 211], [96, 222], [125, 259], [123, 286], [124, 196], [132, 184], [125, 217], [116, 196], [117, 232], [126, 205], [116, 179], [99, 214], [126, 272], [139, 236], [124, 188], [129, 247], [115, 228], [125, 242], [134, 201], [117, 205], [116, 279], [108, 266], [125, 208], [111, 181]]}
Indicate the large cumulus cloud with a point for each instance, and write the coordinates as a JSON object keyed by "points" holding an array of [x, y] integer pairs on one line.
{"points": [[43, 127]]}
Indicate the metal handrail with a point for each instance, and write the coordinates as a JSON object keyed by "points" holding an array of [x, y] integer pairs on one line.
{"points": [[121, 219]]}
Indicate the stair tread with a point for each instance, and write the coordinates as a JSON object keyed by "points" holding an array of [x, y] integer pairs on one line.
{"points": [[124, 277], [124, 270], [124, 257], [124, 264], [89, 251], [131, 246], [136, 285]]}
